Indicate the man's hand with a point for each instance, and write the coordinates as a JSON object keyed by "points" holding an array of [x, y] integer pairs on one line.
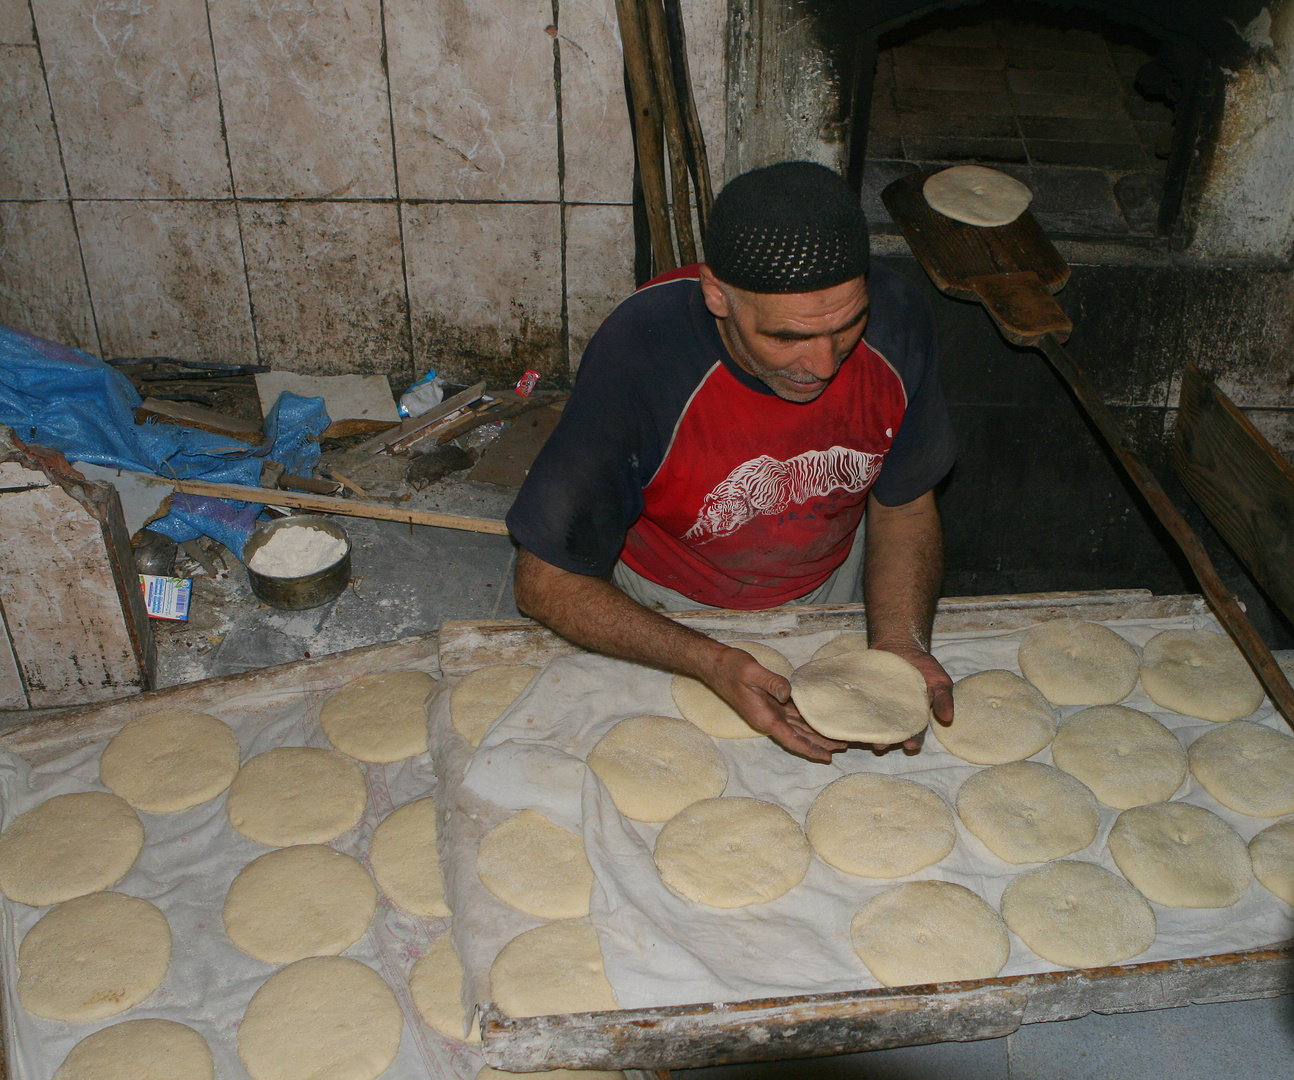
{"points": [[763, 699], [939, 686]]}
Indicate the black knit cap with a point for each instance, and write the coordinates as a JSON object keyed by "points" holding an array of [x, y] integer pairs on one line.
{"points": [[787, 228]]}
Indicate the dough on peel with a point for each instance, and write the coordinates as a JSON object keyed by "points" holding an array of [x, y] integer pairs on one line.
{"points": [[1180, 855], [977, 195], [1078, 915], [870, 697], [1078, 663], [849, 641], [1272, 854], [536, 867], [436, 985], [1028, 812], [928, 932], [326, 1016], [654, 766], [1247, 767], [484, 695], [997, 717], [380, 717], [140, 1050], [552, 969], [301, 901], [69, 846], [404, 859], [879, 826], [297, 795], [1199, 673], [93, 957], [732, 852], [708, 711], [1126, 757], [170, 760]]}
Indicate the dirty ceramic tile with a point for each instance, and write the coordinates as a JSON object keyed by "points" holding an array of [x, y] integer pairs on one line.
{"points": [[15, 23], [134, 92], [167, 279], [327, 287], [305, 97], [1277, 427], [473, 98], [599, 268], [485, 288], [29, 165], [42, 285], [595, 120]]}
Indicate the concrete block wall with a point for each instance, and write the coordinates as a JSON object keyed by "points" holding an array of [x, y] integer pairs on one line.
{"points": [[324, 186]]}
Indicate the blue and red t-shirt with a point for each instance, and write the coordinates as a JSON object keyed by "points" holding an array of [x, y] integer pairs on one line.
{"points": [[676, 460]]}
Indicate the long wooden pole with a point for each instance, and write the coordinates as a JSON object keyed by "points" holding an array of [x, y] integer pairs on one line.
{"points": [[672, 118], [347, 507]]}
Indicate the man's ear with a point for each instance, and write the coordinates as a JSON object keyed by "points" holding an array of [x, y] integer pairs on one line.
{"points": [[716, 299]]}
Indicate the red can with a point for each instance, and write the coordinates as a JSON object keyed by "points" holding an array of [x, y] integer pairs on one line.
{"points": [[527, 382]]}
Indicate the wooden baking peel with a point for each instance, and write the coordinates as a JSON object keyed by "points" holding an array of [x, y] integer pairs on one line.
{"points": [[1013, 270]]}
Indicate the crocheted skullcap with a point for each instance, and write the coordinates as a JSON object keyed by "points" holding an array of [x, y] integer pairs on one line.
{"points": [[787, 228]]}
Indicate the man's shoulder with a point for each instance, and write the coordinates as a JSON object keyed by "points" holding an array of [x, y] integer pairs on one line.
{"points": [[653, 332], [902, 324]]}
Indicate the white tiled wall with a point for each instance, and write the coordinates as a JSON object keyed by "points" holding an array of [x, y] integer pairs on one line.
{"points": [[324, 185]]}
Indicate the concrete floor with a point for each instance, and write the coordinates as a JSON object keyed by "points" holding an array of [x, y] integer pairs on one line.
{"points": [[407, 580]]}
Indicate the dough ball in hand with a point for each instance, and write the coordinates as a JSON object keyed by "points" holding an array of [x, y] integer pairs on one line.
{"points": [[849, 641], [1075, 662], [708, 711], [868, 697], [1199, 673]]}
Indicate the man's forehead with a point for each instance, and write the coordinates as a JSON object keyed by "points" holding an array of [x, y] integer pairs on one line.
{"points": [[843, 299]]}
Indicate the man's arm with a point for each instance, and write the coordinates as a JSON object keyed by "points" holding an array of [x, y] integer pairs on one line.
{"points": [[595, 614], [903, 568]]}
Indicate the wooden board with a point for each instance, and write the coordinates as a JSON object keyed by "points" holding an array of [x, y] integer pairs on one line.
{"points": [[952, 252], [197, 416], [507, 460], [1243, 485], [355, 403]]}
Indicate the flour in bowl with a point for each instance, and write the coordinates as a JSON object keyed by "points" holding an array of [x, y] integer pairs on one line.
{"points": [[296, 551]]}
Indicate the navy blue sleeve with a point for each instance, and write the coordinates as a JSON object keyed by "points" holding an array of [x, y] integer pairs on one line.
{"points": [[902, 329], [585, 488]]}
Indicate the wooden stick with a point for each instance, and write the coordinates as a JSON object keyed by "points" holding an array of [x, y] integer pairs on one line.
{"points": [[416, 423], [671, 116], [346, 507], [346, 481], [698, 161]]}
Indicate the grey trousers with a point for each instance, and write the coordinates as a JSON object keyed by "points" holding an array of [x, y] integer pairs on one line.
{"points": [[844, 586]]}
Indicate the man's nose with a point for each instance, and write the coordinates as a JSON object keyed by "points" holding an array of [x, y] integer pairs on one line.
{"points": [[820, 357]]}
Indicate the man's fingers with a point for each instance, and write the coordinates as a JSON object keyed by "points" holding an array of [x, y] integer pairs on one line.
{"points": [[941, 704]]}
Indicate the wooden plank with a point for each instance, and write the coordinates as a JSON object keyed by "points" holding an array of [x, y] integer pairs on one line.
{"points": [[1022, 309], [346, 507], [417, 423], [197, 416], [355, 403], [953, 252], [504, 409], [1243, 485], [507, 460]]}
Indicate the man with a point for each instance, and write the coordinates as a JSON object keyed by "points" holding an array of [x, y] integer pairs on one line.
{"points": [[730, 425]]}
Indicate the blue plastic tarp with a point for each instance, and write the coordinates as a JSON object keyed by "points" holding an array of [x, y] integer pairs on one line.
{"points": [[63, 398]]}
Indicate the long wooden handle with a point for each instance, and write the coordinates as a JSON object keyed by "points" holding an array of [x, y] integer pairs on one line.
{"points": [[347, 507], [1224, 605]]}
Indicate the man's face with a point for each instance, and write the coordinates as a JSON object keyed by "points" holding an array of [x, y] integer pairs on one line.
{"points": [[792, 342]]}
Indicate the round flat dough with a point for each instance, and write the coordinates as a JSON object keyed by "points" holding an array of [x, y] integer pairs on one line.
{"points": [[1126, 757], [69, 846], [929, 932], [551, 969], [297, 795], [1078, 663], [380, 717], [1199, 673], [849, 641], [879, 826], [170, 760], [140, 1050], [654, 766], [93, 957], [708, 711], [301, 901], [1272, 854], [1180, 855], [977, 195], [436, 985], [732, 852], [488, 1073], [1078, 915], [536, 867], [997, 717], [325, 1016], [405, 862], [484, 695], [870, 697], [1247, 767], [1028, 812]]}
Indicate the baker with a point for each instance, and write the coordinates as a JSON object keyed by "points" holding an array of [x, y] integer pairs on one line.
{"points": [[764, 428]]}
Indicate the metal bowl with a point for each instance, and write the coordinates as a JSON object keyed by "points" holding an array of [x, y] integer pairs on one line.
{"points": [[309, 590]]}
